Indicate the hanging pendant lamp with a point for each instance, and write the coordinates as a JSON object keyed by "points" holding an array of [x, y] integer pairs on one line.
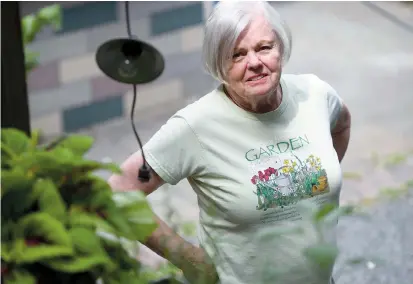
{"points": [[130, 61]]}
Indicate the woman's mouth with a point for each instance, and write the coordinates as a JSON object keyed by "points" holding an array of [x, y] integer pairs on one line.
{"points": [[257, 79]]}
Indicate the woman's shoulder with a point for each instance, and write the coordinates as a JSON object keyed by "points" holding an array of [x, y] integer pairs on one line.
{"points": [[206, 106], [305, 80], [308, 84]]}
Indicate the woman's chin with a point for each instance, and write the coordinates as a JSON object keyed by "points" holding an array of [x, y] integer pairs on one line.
{"points": [[260, 91]]}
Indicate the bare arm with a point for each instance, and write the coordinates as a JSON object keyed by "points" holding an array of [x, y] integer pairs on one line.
{"points": [[341, 133], [129, 178], [193, 260]]}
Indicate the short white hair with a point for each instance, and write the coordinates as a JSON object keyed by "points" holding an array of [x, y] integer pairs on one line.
{"points": [[225, 24]]}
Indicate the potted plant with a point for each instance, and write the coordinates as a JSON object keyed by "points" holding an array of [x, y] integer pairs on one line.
{"points": [[60, 222]]}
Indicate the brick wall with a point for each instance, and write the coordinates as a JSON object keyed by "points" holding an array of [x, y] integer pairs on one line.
{"points": [[67, 92]]}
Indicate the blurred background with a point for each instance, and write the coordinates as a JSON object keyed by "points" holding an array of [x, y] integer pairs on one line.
{"points": [[363, 49]]}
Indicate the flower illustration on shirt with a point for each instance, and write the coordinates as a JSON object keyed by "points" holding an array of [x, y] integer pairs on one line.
{"points": [[294, 180], [265, 176]]}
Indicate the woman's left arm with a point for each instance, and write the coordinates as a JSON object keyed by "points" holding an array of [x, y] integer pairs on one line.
{"points": [[341, 132]]}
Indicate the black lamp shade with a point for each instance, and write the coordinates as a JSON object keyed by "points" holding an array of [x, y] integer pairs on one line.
{"points": [[130, 61]]}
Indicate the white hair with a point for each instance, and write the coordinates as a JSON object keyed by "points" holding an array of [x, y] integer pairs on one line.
{"points": [[225, 24]]}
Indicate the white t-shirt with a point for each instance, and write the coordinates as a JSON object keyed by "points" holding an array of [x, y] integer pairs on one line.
{"points": [[249, 171]]}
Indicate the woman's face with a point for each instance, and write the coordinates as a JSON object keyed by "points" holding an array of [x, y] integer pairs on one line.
{"points": [[255, 69]]}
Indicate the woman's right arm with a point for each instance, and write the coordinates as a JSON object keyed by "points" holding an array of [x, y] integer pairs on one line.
{"points": [[193, 261]]}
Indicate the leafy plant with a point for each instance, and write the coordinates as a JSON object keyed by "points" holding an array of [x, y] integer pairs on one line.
{"points": [[32, 25], [61, 223]]}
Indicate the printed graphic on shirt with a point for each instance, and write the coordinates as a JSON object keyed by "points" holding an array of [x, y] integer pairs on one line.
{"points": [[285, 179]]}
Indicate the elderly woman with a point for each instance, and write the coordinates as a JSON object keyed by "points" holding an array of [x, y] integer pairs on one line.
{"points": [[252, 149]]}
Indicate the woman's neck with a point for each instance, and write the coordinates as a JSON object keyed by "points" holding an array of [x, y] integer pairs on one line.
{"points": [[264, 104]]}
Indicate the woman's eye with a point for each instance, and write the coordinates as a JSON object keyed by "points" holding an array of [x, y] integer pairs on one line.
{"points": [[236, 55], [266, 47]]}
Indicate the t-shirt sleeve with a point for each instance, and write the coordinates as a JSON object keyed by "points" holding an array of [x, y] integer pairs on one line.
{"points": [[335, 104], [334, 101], [174, 151]]}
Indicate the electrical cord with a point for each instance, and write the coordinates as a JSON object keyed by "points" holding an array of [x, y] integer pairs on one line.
{"points": [[144, 173]]}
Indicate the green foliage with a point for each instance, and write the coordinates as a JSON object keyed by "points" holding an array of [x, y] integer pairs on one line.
{"points": [[164, 271], [54, 211], [33, 24], [388, 163]]}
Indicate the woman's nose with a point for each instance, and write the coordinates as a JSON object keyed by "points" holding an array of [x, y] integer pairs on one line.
{"points": [[253, 60]]}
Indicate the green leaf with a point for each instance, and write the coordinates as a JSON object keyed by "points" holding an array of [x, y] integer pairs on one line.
{"points": [[117, 249], [78, 144], [135, 207], [31, 25], [15, 179], [58, 163], [333, 216], [37, 163], [78, 217], [51, 15], [81, 165], [5, 250], [324, 211], [120, 224], [34, 140], [54, 143], [55, 239], [126, 199], [17, 198], [100, 192], [30, 59], [112, 167], [130, 277], [101, 199], [80, 263], [49, 199], [43, 225], [15, 140], [322, 254], [39, 253], [164, 270], [89, 253], [19, 276], [86, 241], [64, 155]]}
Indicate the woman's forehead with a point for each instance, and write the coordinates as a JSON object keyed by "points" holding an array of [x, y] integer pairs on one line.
{"points": [[255, 37]]}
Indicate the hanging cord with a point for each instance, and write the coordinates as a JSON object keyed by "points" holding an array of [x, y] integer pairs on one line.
{"points": [[144, 170], [128, 28]]}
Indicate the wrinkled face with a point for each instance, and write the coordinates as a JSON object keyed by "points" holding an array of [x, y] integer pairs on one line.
{"points": [[255, 68]]}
